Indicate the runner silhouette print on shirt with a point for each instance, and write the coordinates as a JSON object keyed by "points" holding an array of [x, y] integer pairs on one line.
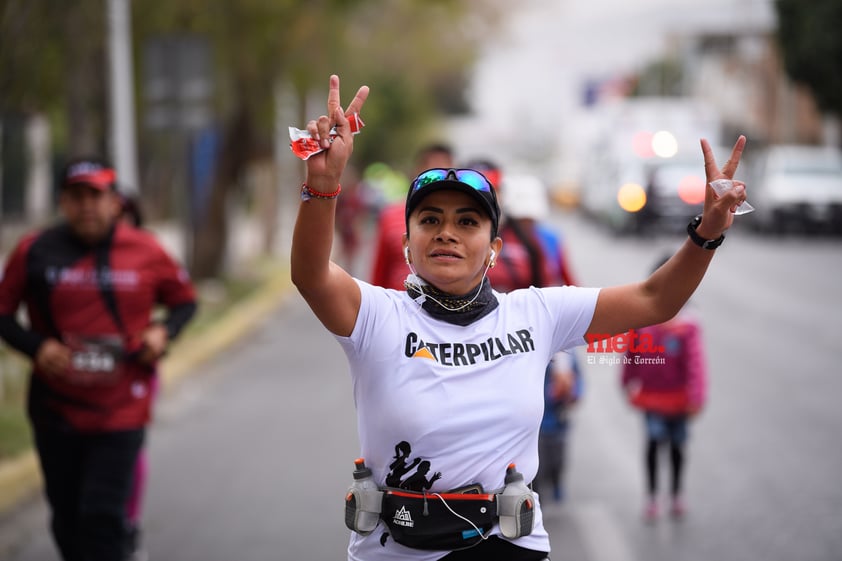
{"points": [[400, 467], [419, 481]]}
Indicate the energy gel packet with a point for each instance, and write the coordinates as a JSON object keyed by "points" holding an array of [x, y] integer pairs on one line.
{"points": [[304, 146], [721, 186]]}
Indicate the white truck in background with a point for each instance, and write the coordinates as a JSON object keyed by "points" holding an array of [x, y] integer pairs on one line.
{"points": [[797, 189], [644, 168]]}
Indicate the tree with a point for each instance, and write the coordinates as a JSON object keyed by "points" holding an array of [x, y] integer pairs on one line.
{"points": [[415, 54], [28, 40], [809, 39], [398, 48], [52, 61], [424, 52]]}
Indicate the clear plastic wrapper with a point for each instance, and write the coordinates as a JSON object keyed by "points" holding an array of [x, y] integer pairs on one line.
{"points": [[721, 186], [303, 145]]}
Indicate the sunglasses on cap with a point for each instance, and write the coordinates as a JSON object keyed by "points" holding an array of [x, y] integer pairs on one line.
{"points": [[469, 177]]}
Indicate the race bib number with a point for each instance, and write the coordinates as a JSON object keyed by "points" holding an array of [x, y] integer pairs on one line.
{"points": [[95, 360]]}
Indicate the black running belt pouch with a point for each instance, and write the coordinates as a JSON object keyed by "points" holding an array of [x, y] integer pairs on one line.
{"points": [[438, 521]]}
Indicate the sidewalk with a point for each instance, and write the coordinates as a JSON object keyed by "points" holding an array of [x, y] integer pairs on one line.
{"points": [[20, 477]]}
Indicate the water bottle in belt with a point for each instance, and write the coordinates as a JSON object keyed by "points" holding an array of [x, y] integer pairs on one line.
{"points": [[363, 501], [516, 506]]}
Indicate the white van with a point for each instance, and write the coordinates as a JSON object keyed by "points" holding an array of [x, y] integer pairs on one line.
{"points": [[798, 188]]}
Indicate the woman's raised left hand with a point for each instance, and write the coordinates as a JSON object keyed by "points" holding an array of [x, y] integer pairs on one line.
{"points": [[718, 214]]}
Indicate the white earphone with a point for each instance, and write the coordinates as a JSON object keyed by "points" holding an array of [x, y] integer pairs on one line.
{"points": [[492, 256]]}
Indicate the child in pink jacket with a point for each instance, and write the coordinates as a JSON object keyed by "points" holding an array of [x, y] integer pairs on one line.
{"points": [[669, 386]]}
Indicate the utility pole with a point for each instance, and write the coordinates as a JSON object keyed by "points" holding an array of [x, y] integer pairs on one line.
{"points": [[122, 106]]}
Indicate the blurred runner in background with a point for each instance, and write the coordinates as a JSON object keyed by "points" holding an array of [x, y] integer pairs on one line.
{"points": [[89, 285], [131, 212], [533, 255], [132, 215], [389, 268], [668, 384], [349, 217]]}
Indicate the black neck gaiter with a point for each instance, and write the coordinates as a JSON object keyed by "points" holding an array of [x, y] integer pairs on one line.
{"points": [[456, 309]]}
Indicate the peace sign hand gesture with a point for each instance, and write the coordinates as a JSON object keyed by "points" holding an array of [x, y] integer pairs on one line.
{"points": [[325, 168], [718, 213]]}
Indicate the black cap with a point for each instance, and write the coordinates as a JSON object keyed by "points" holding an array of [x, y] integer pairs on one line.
{"points": [[486, 198]]}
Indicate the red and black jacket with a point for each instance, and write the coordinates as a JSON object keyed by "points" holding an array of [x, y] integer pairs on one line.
{"points": [[75, 290]]}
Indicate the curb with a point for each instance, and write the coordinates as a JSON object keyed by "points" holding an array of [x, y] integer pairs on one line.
{"points": [[226, 330], [20, 477]]}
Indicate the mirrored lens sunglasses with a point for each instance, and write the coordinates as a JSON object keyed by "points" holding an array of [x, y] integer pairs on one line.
{"points": [[469, 177]]}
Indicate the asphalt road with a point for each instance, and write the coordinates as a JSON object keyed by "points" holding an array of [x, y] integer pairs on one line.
{"points": [[250, 458]]}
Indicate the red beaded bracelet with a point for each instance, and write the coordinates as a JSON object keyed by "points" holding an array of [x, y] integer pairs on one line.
{"points": [[307, 193]]}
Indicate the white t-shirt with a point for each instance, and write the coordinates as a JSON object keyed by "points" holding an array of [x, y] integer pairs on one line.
{"points": [[440, 406]]}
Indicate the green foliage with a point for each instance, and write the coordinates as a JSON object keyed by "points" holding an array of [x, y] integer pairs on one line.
{"points": [[15, 435], [415, 55], [31, 55], [52, 61], [394, 123], [811, 44], [419, 50]]}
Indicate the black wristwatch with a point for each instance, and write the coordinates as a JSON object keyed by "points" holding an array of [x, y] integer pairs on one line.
{"points": [[699, 240]]}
